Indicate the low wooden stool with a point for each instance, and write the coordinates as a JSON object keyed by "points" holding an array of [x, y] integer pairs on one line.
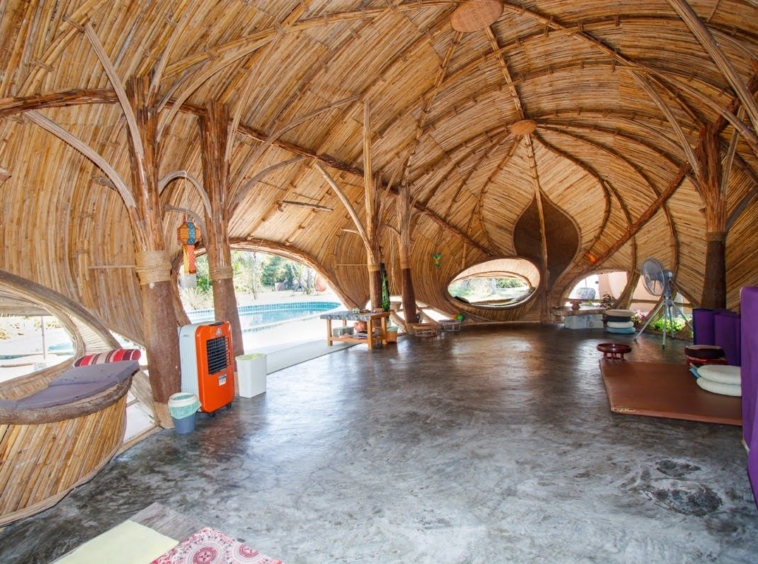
{"points": [[425, 329], [614, 351]]}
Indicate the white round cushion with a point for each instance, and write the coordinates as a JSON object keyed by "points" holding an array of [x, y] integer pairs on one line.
{"points": [[719, 388], [619, 312], [721, 373], [620, 324], [620, 331]]}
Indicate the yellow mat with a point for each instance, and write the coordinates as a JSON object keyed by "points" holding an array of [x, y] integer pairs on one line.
{"points": [[127, 543]]}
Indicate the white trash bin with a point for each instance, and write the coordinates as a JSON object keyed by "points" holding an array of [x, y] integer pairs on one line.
{"points": [[251, 374]]}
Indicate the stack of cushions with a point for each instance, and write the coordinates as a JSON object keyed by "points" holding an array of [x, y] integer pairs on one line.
{"points": [[116, 355], [619, 321], [719, 379], [704, 354]]}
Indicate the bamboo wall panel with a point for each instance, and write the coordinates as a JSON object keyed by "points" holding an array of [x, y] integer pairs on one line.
{"points": [[742, 251]]}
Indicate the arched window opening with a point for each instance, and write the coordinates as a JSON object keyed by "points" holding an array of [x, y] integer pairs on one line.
{"points": [[602, 288], [500, 283], [275, 295]]}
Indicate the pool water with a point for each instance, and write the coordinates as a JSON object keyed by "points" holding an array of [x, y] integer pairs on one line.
{"points": [[259, 317]]}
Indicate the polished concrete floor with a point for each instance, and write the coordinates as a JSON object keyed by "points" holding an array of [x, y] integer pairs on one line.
{"points": [[485, 446]]}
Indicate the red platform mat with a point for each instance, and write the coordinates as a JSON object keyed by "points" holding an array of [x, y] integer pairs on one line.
{"points": [[665, 390]]}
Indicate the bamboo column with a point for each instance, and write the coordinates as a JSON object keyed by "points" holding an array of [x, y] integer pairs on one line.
{"points": [[372, 215], [153, 264], [214, 136], [714, 197], [544, 268], [405, 210]]}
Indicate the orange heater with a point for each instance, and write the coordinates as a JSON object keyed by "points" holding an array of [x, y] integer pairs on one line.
{"points": [[207, 363]]}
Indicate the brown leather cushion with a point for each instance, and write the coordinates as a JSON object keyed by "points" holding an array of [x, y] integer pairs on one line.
{"points": [[75, 384], [704, 352]]}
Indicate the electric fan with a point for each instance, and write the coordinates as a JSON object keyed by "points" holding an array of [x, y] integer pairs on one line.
{"points": [[660, 282]]}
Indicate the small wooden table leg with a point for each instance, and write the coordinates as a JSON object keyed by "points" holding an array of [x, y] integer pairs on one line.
{"points": [[370, 329], [328, 332], [384, 331]]}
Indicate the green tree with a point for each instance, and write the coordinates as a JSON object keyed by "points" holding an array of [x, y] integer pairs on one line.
{"points": [[203, 275], [272, 270], [292, 271]]}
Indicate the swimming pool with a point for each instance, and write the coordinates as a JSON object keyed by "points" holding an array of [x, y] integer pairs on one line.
{"points": [[258, 317]]}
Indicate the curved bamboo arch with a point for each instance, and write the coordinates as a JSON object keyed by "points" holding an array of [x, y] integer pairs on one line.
{"points": [[295, 255]]}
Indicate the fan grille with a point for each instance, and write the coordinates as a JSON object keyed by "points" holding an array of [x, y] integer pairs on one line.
{"points": [[654, 276]]}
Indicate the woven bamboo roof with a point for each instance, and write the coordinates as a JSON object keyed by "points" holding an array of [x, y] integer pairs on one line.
{"points": [[582, 115]]}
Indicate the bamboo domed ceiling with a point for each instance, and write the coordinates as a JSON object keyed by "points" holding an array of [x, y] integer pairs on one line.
{"points": [[578, 135]]}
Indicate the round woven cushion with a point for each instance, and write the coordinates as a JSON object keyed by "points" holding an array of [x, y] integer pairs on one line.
{"points": [[621, 324], [619, 313], [720, 373], [620, 331], [617, 318], [704, 352], [719, 388]]}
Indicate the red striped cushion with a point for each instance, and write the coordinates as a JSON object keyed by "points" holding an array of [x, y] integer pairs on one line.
{"points": [[115, 355]]}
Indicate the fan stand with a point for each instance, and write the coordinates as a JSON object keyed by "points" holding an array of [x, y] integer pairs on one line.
{"points": [[670, 306]]}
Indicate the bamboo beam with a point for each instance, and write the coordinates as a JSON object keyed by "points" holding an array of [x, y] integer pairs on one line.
{"points": [[729, 161], [273, 139], [77, 97], [701, 33], [506, 73], [118, 87], [428, 103], [315, 207], [248, 185], [738, 210], [164, 181], [452, 229], [158, 70], [683, 141], [350, 210], [85, 150], [718, 126], [581, 35]]}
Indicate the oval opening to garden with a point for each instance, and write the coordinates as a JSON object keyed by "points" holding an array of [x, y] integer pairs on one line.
{"points": [[500, 283]]}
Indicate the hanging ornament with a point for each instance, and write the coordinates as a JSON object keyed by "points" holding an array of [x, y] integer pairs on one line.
{"points": [[437, 257], [189, 235]]}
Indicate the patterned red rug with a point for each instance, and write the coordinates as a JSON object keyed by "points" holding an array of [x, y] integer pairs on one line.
{"points": [[209, 546]]}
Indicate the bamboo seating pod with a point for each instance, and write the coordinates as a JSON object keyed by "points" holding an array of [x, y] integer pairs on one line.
{"points": [[46, 453]]}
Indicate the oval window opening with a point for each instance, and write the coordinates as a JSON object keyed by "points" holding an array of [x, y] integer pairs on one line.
{"points": [[500, 283]]}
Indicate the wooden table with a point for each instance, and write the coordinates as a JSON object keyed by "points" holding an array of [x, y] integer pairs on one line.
{"points": [[368, 317]]}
